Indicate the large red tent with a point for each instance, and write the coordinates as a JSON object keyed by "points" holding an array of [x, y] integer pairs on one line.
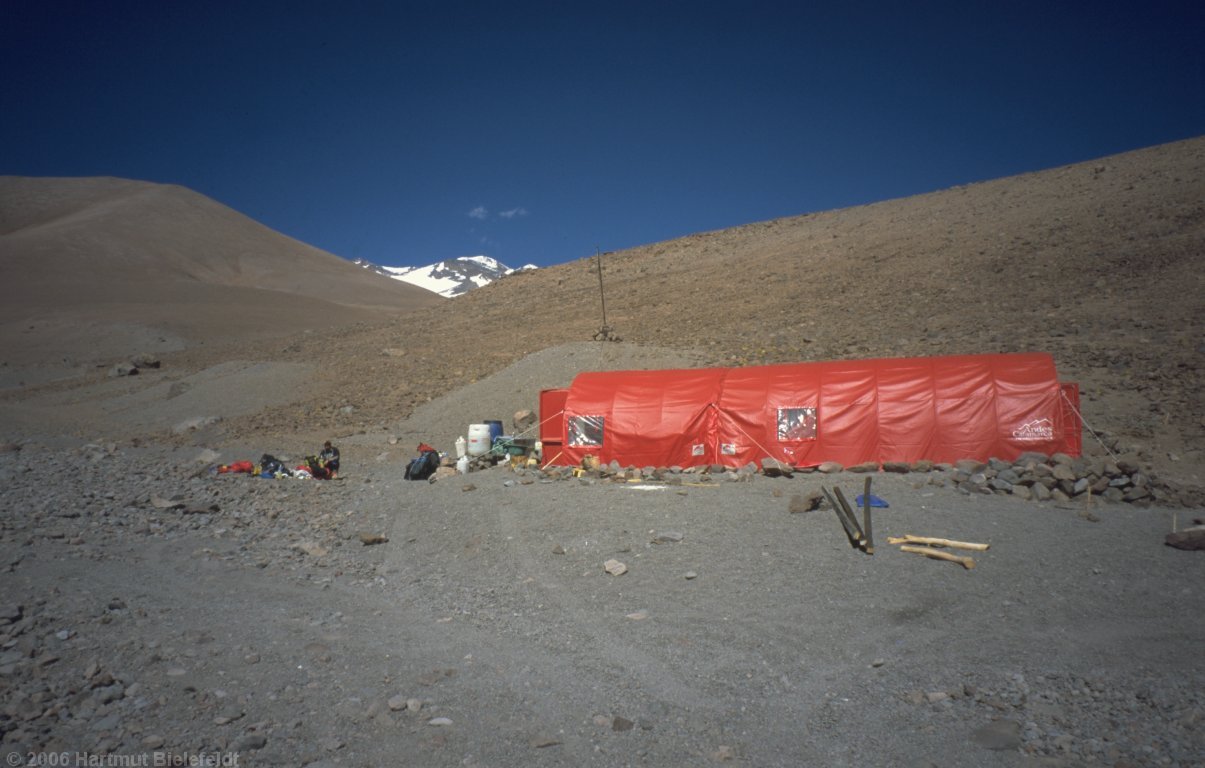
{"points": [[852, 412]]}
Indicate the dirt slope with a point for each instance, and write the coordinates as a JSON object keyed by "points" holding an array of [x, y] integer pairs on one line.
{"points": [[162, 267], [1099, 263]]}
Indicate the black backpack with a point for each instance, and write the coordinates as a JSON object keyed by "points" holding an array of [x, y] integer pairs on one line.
{"points": [[270, 464], [423, 467]]}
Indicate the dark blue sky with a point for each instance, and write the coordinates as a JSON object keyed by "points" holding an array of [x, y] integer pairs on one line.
{"points": [[406, 133]]}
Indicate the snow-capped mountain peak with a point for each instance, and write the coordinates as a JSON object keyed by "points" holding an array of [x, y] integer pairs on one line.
{"points": [[449, 278]]}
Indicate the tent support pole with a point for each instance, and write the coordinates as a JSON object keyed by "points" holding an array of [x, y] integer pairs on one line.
{"points": [[849, 513], [849, 531], [866, 518]]}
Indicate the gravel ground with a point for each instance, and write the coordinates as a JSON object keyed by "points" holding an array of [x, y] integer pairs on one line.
{"points": [[154, 607], [155, 610]]}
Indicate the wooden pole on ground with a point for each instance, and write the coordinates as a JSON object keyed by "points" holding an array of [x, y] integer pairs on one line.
{"points": [[866, 517], [849, 513], [937, 554], [849, 531], [908, 538]]}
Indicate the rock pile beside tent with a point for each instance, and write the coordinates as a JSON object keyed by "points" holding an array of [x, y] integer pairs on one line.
{"points": [[1062, 478], [1032, 477]]}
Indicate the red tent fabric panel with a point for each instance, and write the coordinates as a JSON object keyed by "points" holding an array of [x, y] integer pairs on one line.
{"points": [[654, 416], [552, 426], [552, 421], [745, 415], [964, 412], [848, 416], [1028, 407], [660, 418], [907, 406], [852, 412]]}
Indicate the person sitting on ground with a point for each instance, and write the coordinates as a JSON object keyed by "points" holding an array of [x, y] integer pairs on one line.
{"points": [[327, 465], [330, 456]]}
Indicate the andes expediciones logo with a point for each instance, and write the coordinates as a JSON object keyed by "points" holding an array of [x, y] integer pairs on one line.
{"points": [[1038, 429]]}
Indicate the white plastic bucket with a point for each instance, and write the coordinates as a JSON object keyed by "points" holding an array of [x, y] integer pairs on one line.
{"points": [[480, 439]]}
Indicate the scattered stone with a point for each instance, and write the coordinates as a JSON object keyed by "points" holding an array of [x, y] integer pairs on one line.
{"points": [[523, 420], [999, 735], [207, 456], [439, 722], [175, 502], [250, 742], [775, 468], [640, 615], [723, 753], [311, 548], [1064, 472], [615, 568], [668, 537], [397, 703], [368, 539], [434, 676], [318, 651], [690, 575], [1191, 539], [194, 423], [622, 724], [805, 503]]}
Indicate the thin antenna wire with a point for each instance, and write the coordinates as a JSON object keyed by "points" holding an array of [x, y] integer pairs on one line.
{"points": [[601, 294], [605, 333], [1091, 431]]}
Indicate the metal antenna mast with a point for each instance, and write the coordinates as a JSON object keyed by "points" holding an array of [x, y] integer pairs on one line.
{"points": [[606, 333]]}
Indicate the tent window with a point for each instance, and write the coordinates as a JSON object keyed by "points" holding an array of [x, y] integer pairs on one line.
{"points": [[796, 424], [586, 430]]}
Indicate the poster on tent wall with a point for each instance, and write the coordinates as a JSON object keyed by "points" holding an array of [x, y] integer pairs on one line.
{"points": [[853, 412]]}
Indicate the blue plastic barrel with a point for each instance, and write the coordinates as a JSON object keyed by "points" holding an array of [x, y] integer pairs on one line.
{"points": [[495, 430]]}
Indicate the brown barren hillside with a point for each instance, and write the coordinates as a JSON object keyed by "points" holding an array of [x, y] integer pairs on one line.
{"points": [[97, 264], [1099, 263]]}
